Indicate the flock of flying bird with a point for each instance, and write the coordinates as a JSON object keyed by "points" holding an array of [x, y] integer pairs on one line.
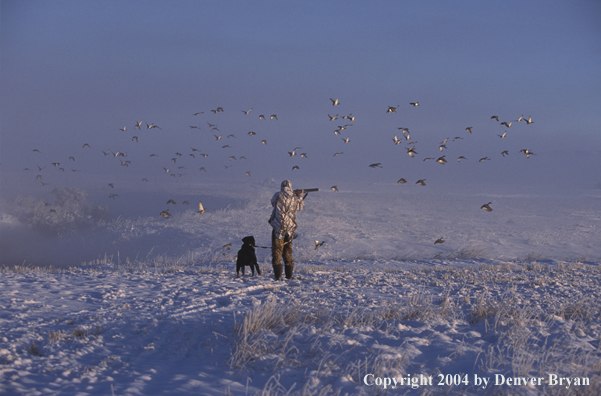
{"points": [[173, 169]]}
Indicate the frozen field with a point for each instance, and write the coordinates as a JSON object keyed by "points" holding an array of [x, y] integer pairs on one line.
{"points": [[147, 305]]}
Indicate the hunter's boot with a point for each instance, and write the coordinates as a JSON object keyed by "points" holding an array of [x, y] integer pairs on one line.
{"points": [[277, 272], [289, 269]]}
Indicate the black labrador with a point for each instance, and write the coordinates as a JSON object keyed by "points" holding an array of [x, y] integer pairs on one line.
{"points": [[247, 257]]}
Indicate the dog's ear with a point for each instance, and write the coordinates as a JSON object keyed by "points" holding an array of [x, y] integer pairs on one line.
{"points": [[249, 240]]}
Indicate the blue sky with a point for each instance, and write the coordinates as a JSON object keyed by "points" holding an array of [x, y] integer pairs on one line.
{"points": [[75, 72]]}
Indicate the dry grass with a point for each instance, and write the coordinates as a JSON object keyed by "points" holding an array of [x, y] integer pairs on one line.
{"points": [[515, 325]]}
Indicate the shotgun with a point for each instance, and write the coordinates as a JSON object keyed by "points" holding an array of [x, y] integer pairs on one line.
{"points": [[305, 191]]}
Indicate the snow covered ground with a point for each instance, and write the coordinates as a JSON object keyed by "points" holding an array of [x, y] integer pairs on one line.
{"points": [[141, 304]]}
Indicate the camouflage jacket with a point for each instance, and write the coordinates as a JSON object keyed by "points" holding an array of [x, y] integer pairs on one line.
{"points": [[283, 218]]}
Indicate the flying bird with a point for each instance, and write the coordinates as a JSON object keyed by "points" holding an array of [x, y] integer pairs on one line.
{"points": [[504, 153], [411, 151], [495, 118], [201, 208], [527, 152], [469, 129], [165, 214], [227, 246], [402, 181], [506, 124], [319, 244], [335, 102], [439, 240], [171, 201], [392, 109], [247, 111], [332, 118], [138, 125], [334, 188], [484, 159], [273, 117], [151, 126], [486, 207], [421, 182], [376, 165], [414, 104]]}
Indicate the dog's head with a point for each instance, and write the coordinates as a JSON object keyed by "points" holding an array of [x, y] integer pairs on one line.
{"points": [[249, 240]]}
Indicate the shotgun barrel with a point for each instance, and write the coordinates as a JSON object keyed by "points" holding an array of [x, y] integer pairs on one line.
{"points": [[305, 190]]}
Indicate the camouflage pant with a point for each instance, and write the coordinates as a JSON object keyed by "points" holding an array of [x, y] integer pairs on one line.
{"points": [[281, 248]]}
